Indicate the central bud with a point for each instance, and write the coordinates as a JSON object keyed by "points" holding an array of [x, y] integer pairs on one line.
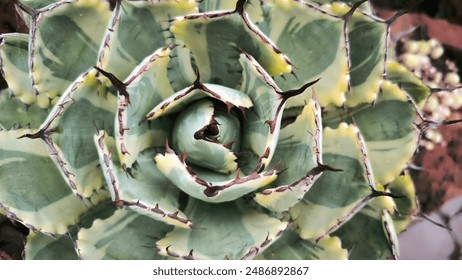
{"points": [[209, 135]]}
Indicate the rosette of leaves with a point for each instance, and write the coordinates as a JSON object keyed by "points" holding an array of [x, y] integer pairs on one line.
{"points": [[206, 130]]}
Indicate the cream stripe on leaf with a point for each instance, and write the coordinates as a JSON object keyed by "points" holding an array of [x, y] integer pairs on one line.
{"points": [[126, 235], [65, 43], [14, 63], [62, 247], [406, 80], [186, 179], [145, 87], [226, 34], [390, 145], [366, 45], [298, 154], [203, 150], [252, 7], [42, 247], [14, 113], [144, 189], [334, 197], [262, 124], [40, 198], [406, 205], [136, 30], [72, 123], [365, 235], [231, 230], [314, 42], [291, 247], [182, 99]]}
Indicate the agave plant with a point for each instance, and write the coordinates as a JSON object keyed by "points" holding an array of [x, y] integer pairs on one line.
{"points": [[274, 129]]}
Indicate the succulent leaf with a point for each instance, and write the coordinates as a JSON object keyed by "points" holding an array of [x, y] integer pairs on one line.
{"points": [[291, 247], [230, 32], [144, 189], [42, 247], [171, 129], [14, 62], [16, 114], [78, 113], [246, 232], [136, 30], [334, 197], [293, 25], [117, 236], [46, 203], [298, 150], [78, 26]]}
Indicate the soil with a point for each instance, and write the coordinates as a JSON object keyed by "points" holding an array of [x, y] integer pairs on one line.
{"points": [[441, 176]]}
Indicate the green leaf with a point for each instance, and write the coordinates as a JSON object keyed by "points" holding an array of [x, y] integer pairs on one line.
{"points": [[335, 197], [65, 43], [143, 89], [14, 58], [234, 231], [291, 247], [365, 236], [72, 123], [226, 33], [297, 153], [314, 42], [144, 189], [222, 190], [15, 113], [399, 75], [42, 247], [126, 235], [390, 145], [39, 197], [136, 30]]}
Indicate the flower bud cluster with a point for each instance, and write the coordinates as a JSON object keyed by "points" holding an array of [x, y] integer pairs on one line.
{"points": [[427, 61]]}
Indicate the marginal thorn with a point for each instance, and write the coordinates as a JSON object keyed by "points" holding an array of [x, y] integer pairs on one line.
{"points": [[294, 92], [353, 9], [240, 6]]}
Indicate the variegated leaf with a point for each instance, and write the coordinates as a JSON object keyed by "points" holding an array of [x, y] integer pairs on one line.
{"points": [[390, 145], [136, 30], [70, 127], [65, 43], [229, 33], [370, 234], [406, 205], [14, 62], [145, 87], [416, 89], [14, 113], [42, 247], [298, 153], [225, 188], [335, 197], [144, 189], [313, 40], [40, 197], [291, 247], [234, 231], [126, 235], [366, 46]]}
